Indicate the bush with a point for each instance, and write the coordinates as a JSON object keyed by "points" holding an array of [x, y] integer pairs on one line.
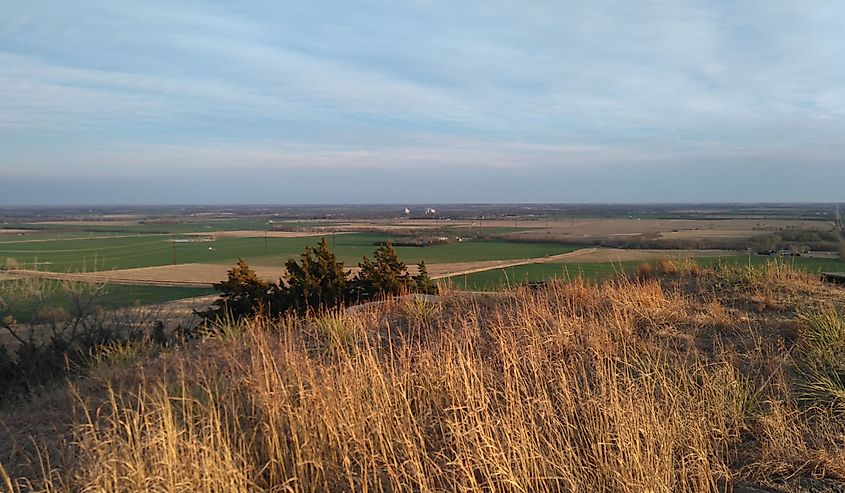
{"points": [[386, 275], [57, 341], [644, 271], [821, 356], [423, 283], [317, 281], [9, 263], [242, 294]]}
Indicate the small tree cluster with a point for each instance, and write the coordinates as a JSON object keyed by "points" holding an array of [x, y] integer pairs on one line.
{"points": [[385, 275], [315, 281], [242, 294]]}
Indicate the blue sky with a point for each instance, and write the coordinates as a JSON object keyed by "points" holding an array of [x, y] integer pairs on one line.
{"points": [[104, 101]]}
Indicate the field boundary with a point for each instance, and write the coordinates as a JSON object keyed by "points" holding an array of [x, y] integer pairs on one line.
{"points": [[504, 264]]}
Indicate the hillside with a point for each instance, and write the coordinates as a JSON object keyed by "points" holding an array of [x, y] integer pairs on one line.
{"points": [[677, 379]]}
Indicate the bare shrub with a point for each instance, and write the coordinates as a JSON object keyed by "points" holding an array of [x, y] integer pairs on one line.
{"points": [[61, 328]]}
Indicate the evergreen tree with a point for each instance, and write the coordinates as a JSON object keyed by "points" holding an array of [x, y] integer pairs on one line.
{"points": [[317, 280], [386, 275], [242, 294], [422, 282]]}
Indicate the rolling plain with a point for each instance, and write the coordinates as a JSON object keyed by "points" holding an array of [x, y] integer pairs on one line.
{"points": [[468, 249]]}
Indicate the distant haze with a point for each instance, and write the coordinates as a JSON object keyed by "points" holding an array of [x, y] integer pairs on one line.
{"points": [[373, 102]]}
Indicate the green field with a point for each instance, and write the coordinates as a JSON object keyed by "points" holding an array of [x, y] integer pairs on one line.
{"points": [[497, 279], [18, 299], [74, 255], [812, 265], [350, 248], [140, 251]]}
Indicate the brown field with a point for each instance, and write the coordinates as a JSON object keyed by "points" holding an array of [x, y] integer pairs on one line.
{"points": [[709, 233], [590, 229], [420, 224], [201, 275], [595, 229], [14, 231], [596, 255], [6, 276]]}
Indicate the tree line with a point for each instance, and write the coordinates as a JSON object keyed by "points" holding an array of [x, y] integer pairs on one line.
{"points": [[316, 281]]}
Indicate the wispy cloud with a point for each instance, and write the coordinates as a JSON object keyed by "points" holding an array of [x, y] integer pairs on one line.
{"points": [[102, 89]]}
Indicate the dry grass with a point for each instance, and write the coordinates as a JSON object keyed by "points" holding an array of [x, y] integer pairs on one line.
{"points": [[671, 384]]}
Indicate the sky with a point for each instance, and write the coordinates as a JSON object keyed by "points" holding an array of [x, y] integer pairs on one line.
{"points": [[162, 102]]}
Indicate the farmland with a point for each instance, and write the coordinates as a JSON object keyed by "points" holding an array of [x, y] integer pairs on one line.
{"points": [[78, 255], [490, 246], [496, 279], [135, 285]]}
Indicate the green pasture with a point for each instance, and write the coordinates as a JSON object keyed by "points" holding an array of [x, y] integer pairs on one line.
{"points": [[809, 264], [96, 254], [34, 236], [139, 251], [497, 279], [350, 248]]}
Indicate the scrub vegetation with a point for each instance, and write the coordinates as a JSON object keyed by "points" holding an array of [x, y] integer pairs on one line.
{"points": [[677, 378]]}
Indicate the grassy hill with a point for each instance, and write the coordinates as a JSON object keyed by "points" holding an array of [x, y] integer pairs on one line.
{"points": [[684, 379]]}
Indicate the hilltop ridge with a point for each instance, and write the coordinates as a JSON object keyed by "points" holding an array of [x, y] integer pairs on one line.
{"points": [[677, 378]]}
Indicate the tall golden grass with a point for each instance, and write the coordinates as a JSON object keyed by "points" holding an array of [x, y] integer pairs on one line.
{"points": [[634, 385]]}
